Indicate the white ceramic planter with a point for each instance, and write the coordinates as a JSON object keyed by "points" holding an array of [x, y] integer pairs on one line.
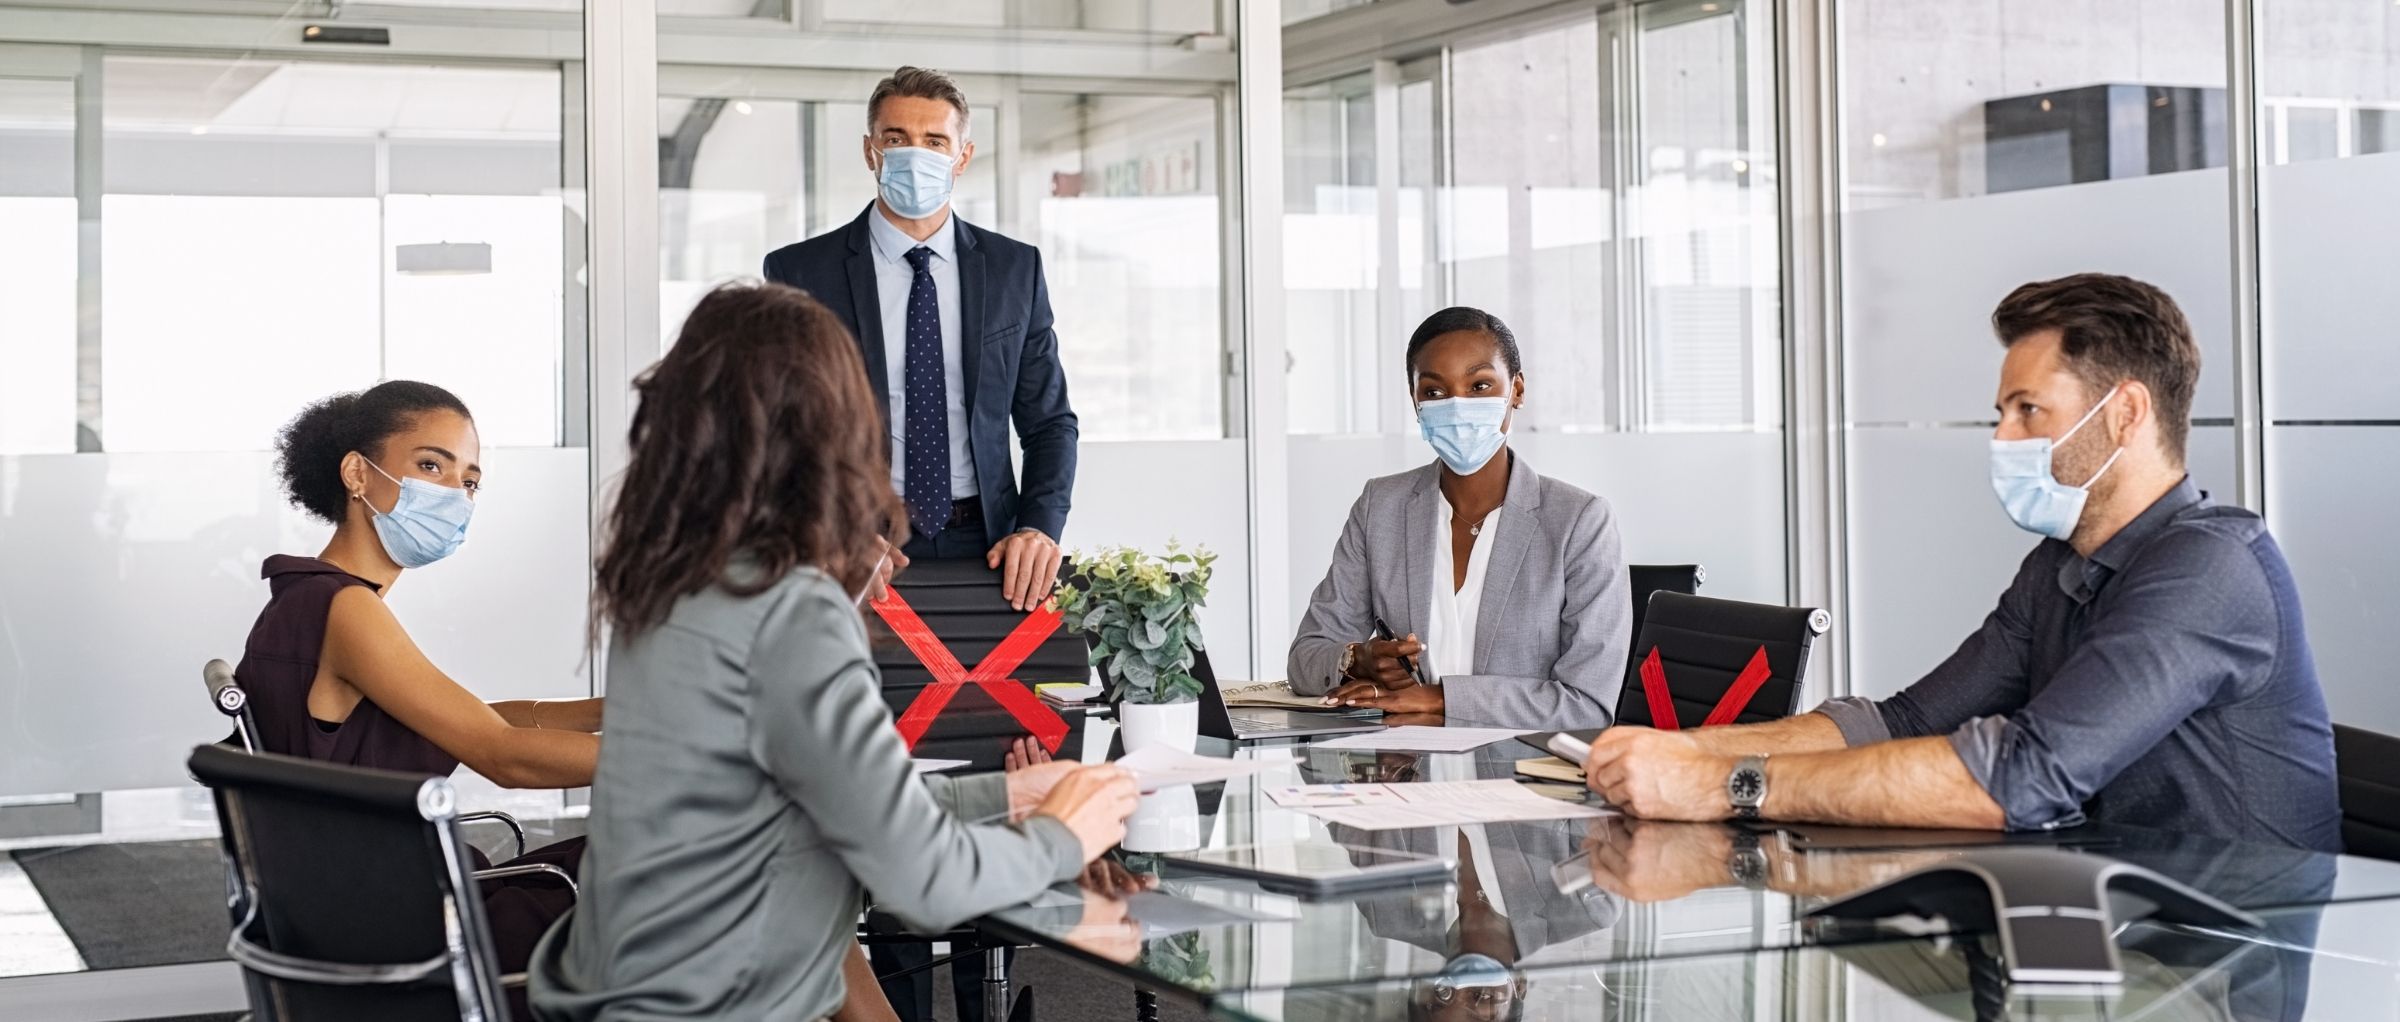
{"points": [[1174, 725], [1165, 821]]}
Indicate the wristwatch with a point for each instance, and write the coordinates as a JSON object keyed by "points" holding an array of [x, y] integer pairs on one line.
{"points": [[1746, 787], [1349, 660], [1747, 863]]}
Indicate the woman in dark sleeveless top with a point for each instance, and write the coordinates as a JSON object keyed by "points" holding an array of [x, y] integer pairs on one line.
{"points": [[331, 674]]}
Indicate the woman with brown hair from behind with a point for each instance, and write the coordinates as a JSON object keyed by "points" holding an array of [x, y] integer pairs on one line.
{"points": [[753, 786]]}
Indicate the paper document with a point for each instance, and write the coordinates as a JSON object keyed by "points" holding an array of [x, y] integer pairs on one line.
{"points": [[1161, 767], [1420, 738], [1064, 694], [1165, 915], [1315, 796], [1428, 804], [935, 766], [1275, 694]]}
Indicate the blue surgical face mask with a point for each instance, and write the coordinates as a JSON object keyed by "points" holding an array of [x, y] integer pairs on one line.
{"points": [[915, 182], [1465, 431], [426, 524], [2031, 493]]}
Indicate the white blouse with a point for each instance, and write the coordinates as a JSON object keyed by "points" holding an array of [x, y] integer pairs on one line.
{"points": [[1450, 632]]}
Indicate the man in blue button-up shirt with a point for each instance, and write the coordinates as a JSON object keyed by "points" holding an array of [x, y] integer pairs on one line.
{"points": [[2147, 666]]}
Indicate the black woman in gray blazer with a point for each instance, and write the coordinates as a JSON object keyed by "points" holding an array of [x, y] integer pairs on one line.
{"points": [[1533, 629]]}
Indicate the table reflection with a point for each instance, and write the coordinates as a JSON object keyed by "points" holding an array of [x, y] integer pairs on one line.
{"points": [[1558, 912]]}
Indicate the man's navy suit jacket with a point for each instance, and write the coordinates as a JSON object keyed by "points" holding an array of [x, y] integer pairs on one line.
{"points": [[1007, 350]]}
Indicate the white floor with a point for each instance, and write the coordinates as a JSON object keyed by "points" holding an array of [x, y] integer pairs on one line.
{"points": [[31, 942]]}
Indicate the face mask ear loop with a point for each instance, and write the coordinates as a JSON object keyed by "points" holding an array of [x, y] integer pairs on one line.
{"points": [[2087, 418], [2078, 427], [362, 494], [2104, 467]]}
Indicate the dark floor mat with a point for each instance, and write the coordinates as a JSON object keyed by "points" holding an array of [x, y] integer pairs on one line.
{"points": [[135, 905], [1065, 991]]}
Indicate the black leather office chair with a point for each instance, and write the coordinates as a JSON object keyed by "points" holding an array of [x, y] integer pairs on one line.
{"points": [[1648, 579], [227, 695], [2369, 766], [1704, 649], [350, 892], [960, 603]]}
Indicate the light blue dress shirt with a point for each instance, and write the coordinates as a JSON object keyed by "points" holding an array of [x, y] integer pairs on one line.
{"points": [[893, 278]]}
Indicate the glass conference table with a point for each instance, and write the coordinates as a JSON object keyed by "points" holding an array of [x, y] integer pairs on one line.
{"points": [[1617, 917]]}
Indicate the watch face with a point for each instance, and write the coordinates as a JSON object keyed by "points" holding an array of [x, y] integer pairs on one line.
{"points": [[1749, 868], [1746, 786]]}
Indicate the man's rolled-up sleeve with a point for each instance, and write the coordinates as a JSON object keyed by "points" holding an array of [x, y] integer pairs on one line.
{"points": [[2192, 616], [1986, 674]]}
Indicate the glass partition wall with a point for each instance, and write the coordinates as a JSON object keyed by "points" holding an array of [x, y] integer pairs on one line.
{"points": [[1984, 147], [1981, 151], [200, 244], [1105, 134], [204, 230], [1601, 177], [207, 220]]}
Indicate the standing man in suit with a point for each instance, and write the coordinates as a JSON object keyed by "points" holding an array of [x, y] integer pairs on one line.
{"points": [[954, 323]]}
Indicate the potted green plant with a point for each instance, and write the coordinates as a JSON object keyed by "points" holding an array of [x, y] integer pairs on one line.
{"points": [[1181, 960], [1141, 613]]}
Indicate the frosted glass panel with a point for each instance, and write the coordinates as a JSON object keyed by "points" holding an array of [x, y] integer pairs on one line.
{"points": [[1930, 549], [1921, 281], [127, 571], [1146, 493], [2326, 229], [2332, 312], [2332, 507]]}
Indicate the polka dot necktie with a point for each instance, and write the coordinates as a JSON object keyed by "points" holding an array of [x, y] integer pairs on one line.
{"points": [[926, 476]]}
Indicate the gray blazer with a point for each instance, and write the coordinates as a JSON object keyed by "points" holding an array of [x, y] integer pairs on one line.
{"points": [[1552, 635], [751, 790]]}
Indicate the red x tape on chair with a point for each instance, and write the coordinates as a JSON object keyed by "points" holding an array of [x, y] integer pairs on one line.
{"points": [[959, 665], [1701, 662]]}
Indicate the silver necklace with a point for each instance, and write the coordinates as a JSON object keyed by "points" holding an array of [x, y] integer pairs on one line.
{"points": [[1476, 529]]}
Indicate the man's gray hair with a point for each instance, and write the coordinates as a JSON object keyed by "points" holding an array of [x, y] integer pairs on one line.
{"points": [[920, 83]]}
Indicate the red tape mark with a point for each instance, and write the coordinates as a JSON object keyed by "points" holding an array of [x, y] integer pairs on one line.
{"points": [[992, 673], [1662, 703]]}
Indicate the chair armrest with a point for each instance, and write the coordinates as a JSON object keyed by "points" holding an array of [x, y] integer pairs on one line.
{"points": [[308, 970], [506, 820], [534, 869]]}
